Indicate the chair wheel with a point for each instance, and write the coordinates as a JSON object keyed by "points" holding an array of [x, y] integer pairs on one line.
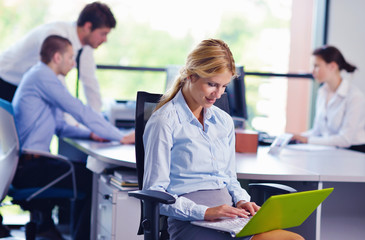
{"points": [[30, 231]]}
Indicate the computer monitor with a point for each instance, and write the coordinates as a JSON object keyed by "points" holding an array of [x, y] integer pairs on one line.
{"points": [[235, 90]]}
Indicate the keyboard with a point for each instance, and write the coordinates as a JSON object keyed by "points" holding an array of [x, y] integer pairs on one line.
{"points": [[231, 225], [265, 139]]}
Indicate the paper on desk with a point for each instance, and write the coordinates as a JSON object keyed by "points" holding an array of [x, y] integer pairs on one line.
{"points": [[97, 166], [309, 147]]}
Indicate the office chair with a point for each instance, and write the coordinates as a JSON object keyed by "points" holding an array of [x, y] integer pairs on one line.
{"points": [[7, 90], [150, 199], [36, 200]]}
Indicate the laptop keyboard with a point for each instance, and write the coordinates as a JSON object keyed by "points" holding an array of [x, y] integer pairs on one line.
{"points": [[235, 224]]}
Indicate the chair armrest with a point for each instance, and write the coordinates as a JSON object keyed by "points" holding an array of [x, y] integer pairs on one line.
{"points": [[44, 154], [61, 158], [153, 196], [150, 216], [272, 187], [262, 191]]}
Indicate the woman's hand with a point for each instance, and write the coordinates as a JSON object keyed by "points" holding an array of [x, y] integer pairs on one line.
{"points": [[225, 211], [128, 139], [95, 137], [300, 139], [250, 207]]}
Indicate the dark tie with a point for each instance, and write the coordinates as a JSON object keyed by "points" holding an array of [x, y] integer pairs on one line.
{"points": [[78, 71]]}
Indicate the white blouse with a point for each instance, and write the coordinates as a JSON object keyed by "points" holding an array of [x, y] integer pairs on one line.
{"points": [[340, 122]]}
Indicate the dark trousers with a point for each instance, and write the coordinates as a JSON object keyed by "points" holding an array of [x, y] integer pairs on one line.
{"points": [[358, 148], [7, 90], [36, 171]]}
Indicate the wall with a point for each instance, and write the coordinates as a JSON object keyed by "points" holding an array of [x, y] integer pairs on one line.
{"points": [[299, 90], [346, 32]]}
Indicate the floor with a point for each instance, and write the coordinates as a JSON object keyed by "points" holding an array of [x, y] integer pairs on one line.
{"points": [[18, 233]]}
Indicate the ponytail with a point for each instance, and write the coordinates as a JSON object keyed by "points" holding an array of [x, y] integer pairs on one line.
{"points": [[348, 67], [331, 54], [171, 93]]}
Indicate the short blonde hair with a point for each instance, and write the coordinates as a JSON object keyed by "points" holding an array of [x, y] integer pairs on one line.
{"points": [[209, 58]]}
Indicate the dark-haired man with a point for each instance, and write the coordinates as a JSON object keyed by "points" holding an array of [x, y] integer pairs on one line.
{"points": [[39, 103], [92, 28]]}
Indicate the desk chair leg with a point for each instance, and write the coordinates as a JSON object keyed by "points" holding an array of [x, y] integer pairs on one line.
{"points": [[151, 221]]}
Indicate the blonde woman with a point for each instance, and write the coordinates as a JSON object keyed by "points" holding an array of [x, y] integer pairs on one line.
{"points": [[190, 149]]}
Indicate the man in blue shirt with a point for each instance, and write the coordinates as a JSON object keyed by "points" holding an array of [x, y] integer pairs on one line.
{"points": [[39, 103]]}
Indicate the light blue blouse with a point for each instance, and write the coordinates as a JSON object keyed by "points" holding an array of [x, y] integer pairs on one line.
{"points": [[39, 103], [181, 157]]}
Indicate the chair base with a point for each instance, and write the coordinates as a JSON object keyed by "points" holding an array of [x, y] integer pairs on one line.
{"points": [[30, 231]]}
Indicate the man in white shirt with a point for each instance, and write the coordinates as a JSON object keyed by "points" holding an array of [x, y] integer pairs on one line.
{"points": [[90, 31]]}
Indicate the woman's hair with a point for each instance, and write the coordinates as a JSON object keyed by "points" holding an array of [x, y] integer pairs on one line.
{"points": [[209, 58], [331, 54], [51, 45]]}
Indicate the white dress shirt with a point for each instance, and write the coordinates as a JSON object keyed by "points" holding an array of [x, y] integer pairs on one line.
{"points": [[341, 121], [182, 157], [25, 53]]}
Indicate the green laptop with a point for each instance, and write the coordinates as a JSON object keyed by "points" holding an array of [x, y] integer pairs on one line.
{"points": [[278, 212]]}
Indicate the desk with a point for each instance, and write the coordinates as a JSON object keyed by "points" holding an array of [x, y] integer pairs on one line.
{"points": [[342, 216], [343, 213], [114, 215]]}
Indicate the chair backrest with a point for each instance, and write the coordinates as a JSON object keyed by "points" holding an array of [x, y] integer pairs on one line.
{"points": [[146, 103], [9, 147]]}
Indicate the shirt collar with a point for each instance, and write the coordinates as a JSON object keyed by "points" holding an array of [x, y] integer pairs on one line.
{"points": [[42, 65], [185, 114], [343, 89]]}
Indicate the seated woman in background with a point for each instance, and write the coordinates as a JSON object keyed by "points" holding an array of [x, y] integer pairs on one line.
{"points": [[190, 149], [340, 107]]}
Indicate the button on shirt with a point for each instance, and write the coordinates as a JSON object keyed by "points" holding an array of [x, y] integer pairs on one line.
{"points": [[341, 121], [182, 157], [39, 103], [24, 54]]}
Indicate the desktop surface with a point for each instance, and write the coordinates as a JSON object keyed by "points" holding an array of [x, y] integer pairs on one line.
{"points": [[110, 152], [291, 165]]}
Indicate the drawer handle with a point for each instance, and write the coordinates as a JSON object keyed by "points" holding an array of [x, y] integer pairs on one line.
{"points": [[102, 206], [101, 237], [107, 196]]}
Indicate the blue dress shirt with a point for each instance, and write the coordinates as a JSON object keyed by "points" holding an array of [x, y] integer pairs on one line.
{"points": [[39, 103], [182, 157]]}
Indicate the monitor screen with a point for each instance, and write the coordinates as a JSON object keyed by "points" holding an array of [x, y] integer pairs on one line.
{"points": [[236, 92]]}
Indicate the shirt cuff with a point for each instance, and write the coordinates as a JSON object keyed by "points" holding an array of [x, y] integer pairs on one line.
{"points": [[84, 133], [198, 212]]}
